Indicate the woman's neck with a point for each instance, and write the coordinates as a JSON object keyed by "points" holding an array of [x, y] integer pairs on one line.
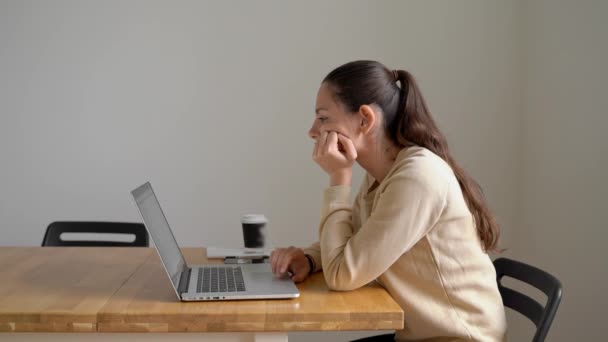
{"points": [[379, 159]]}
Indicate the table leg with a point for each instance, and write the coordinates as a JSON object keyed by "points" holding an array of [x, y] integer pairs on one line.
{"points": [[270, 337]]}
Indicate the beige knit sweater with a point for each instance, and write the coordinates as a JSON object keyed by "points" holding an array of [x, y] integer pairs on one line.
{"points": [[415, 236]]}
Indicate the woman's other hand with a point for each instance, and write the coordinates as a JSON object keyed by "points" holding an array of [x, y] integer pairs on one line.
{"points": [[292, 259]]}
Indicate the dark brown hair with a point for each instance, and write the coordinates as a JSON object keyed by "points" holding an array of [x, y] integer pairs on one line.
{"points": [[407, 122]]}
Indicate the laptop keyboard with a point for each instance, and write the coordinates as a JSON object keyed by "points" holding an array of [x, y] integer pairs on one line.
{"points": [[220, 279]]}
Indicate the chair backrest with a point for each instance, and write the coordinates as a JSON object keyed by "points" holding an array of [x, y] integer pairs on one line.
{"points": [[52, 237], [545, 282]]}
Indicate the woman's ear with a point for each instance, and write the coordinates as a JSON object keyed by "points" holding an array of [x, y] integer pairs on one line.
{"points": [[367, 118]]}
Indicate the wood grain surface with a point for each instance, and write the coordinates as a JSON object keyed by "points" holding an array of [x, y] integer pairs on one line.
{"points": [[78, 289], [61, 288]]}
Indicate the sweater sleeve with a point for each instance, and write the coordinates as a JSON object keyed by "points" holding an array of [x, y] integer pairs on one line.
{"points": [[314, 250], [404, 212]]}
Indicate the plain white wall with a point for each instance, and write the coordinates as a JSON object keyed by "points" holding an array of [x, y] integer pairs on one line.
{"points": [[211, 102], [564, 208]]}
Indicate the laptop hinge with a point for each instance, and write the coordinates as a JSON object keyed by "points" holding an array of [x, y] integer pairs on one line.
{"points": [[184, 280]]}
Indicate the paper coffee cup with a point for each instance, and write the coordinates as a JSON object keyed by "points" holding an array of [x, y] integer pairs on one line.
{"points": [[254, 230]]}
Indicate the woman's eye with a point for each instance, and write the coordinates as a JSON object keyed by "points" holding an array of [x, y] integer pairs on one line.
{"points": [[322, 119]]}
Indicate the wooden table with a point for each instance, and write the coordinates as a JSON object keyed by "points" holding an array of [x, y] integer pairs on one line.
{"points": [[121, 291]]}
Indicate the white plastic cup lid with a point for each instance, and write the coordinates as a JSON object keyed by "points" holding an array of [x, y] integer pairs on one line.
{"points": [[254, 218]]}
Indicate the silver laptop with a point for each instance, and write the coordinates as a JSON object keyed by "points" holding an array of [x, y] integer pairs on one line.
{"points": [[211, 281]]}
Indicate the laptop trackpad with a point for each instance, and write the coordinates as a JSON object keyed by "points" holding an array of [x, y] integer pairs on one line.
{"points": [[267, 278], [267, 283]]}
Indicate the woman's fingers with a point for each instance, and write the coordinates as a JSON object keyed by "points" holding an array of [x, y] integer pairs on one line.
{"points": [[277, 263], [283, 262], [274, 257], [298, 265], [319, 145], [330, 156], [321, 141], [286, 262], [315, 150], [331, 142], [349, 147], [300, 274]]}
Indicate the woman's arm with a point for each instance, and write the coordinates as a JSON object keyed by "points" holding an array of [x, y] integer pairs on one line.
{"points": [[314, 250], [407, 209]]}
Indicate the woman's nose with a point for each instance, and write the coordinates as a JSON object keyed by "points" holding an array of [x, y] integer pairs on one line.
{"points": [[313, 133]]}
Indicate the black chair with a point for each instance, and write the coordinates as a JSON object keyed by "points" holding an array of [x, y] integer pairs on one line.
{"points": [[377, 338], [52, 237], [548, 284]]}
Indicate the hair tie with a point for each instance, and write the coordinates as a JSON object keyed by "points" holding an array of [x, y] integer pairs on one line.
{"points": [[396, 75]]}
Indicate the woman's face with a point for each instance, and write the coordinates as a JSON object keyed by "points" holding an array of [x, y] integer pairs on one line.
{"points": [[331, 116]]}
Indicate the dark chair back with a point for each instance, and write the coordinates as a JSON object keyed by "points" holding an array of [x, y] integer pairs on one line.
{"points": [[545, 282], [52, 237]]}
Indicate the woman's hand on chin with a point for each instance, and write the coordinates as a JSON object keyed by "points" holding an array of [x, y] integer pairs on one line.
{"points": [[336, 154]]}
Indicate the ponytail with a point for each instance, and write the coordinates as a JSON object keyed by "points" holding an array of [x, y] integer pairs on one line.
{"points": [[415, 126]]}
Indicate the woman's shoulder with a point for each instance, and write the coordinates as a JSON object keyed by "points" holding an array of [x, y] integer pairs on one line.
{"points": [[420, 164]]}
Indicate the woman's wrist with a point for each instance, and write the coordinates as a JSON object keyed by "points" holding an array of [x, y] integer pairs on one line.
{"points": [[341, 177], [311, 264]]}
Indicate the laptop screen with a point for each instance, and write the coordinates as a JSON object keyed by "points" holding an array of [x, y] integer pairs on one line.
{"points": [[158, 227]]}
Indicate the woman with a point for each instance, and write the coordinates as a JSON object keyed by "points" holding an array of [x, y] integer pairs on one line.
{"points": [[419, 225]]}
